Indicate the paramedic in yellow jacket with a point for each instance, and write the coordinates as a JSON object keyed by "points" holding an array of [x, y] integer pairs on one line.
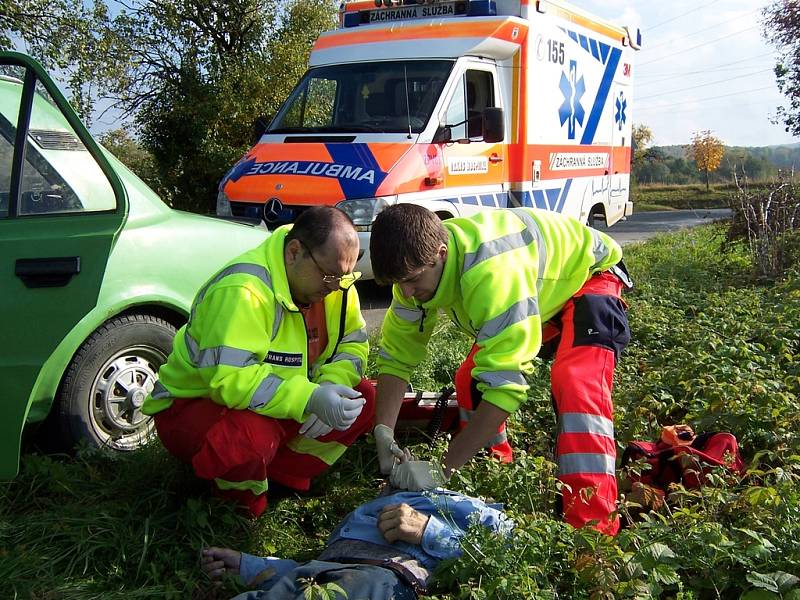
{"points": [[265, 381], [501, 276]]}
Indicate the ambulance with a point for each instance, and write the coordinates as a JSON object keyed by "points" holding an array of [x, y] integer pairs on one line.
{"points": [[458, 106]]}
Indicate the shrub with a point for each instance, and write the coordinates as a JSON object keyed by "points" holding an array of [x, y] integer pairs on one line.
{"points": [[768, 217]]}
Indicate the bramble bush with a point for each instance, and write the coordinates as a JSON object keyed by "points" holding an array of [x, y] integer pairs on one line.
{"points": [[713, 346]]}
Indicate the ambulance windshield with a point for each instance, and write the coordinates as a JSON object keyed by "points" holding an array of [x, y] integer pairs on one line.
{"points": [[375, 97]]}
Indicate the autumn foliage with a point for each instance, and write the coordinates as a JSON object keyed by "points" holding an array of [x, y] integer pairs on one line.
{"points": [[706, 151]]}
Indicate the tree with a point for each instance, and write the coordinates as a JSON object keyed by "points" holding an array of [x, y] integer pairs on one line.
{"points": [[781, 28], [201, 71], [706, 151], [641, 137], [192, 74], [131, 153], [64, 35]]}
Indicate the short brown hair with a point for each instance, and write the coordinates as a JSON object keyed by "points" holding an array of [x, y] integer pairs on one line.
{"points": [[404, 238]]}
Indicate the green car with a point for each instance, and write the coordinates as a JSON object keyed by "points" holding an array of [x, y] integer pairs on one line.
{"points": [[96, 274]]}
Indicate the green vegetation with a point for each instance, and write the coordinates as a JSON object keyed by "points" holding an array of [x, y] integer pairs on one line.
{"points": [[673, 165], [711, 347], [675, 197]]}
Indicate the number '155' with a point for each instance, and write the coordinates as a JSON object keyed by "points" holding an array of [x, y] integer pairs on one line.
{"points": [[555, 51]]}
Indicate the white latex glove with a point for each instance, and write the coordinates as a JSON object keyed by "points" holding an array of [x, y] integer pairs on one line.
{"points": [[388, 450], [417, 476], [313, 427], [336, 405]]}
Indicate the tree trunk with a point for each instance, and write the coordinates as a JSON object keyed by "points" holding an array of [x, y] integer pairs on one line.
{"points": [[707, 186]]}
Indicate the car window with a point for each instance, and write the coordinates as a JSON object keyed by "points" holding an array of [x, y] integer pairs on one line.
{"points": [[10, 96], [59, 174], [67, 179]]}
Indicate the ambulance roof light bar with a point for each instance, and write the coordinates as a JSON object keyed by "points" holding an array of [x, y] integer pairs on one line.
{"points": [[403, 10]]}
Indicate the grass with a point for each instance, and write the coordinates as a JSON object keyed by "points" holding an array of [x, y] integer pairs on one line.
{"points": [[649, 197], [710, 347]]}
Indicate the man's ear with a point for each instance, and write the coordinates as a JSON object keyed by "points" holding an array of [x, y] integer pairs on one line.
{"points": [[292, 252], [443, 252]]}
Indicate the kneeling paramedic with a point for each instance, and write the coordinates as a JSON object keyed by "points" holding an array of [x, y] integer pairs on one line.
{"points": [[503, 276], [265, 380]]}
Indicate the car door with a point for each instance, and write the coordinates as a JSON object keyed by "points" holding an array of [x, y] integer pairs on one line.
{"points": [[476, 172], [61, 206]]}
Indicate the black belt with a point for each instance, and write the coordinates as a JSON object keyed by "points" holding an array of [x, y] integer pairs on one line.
{"points": [[404, 574]]}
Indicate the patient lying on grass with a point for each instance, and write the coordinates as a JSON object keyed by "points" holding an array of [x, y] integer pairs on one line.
{"points": [[386, 548]]}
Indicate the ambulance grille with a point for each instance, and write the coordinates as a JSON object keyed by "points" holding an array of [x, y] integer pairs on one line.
{"points": [[56, 140]]}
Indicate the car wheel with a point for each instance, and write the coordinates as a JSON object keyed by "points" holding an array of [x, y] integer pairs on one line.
{"points": [[108, 379]]}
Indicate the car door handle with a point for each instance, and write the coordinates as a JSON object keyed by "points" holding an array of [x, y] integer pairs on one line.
{"points": [[495, 158], [47, 272]]}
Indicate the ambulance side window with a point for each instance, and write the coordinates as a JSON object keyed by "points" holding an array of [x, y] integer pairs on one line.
{"points": [[474, 93], [456, 114]]}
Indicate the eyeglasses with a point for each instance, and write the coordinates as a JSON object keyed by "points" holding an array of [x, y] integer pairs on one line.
{"points": [[345, 281]]}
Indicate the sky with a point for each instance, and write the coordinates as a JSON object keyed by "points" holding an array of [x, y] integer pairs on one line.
{"points": [[703, 65]]}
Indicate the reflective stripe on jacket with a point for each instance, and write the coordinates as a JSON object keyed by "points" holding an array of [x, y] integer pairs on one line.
{"points": [[507, 272], [245, 345]]}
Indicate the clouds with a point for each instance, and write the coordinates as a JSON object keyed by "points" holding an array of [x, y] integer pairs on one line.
{"points": [[703, 65]]}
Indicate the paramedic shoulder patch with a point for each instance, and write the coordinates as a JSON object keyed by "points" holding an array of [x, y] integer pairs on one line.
{"points": [[284, 359]]}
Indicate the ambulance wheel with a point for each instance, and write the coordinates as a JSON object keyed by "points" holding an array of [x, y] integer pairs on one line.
{"points": [[597, 218], [108, 379]]}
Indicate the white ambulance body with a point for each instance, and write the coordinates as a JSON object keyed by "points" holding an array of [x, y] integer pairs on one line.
{"points": [[458, 106]]}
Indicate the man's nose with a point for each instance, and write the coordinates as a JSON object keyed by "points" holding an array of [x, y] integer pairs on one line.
{"points": [[407, 289]]}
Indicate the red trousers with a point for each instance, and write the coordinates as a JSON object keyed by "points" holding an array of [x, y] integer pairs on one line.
{"points": [[240, 450], [593, 332]]}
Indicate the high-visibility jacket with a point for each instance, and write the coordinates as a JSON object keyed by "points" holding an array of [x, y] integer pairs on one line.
{"points": [[245, 345], [506, 273]]}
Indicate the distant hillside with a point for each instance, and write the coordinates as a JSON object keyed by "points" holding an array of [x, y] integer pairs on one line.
{"points": [[784, 156], [669, 165]]}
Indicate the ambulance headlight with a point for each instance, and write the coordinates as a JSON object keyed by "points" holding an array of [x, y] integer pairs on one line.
{"points": [[223, 205], [364, 210]]}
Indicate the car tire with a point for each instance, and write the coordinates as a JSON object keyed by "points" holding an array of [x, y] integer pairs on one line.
{"points": [[105, 384]]}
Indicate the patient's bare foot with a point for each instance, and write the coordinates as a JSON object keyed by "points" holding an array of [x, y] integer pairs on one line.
{"points": [[217, 562]]}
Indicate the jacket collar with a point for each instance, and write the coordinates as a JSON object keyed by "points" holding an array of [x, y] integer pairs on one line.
{"points": [[273, 251]]}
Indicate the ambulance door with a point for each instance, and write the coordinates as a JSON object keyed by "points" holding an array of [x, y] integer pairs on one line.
{"points": [[476, 172]]}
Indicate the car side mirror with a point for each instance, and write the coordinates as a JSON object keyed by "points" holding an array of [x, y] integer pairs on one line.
{"points": [[259, 128], [494, 129]]}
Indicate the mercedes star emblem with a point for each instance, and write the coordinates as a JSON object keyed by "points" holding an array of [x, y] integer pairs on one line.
{"points": [[272, 210]]}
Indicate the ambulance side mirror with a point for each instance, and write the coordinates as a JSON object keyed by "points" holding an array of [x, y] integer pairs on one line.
{"points": [[259, 128], [443, 135], [494, 129]]}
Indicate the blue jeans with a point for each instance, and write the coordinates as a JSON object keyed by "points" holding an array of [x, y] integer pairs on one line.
{"points": [[358, 581]]}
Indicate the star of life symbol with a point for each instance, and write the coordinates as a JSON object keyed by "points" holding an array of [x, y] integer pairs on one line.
{"points": [[572, 88], [619, 116]]}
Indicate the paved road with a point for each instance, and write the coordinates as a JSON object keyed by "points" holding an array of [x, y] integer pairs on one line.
{"points": [[637, 228]]}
